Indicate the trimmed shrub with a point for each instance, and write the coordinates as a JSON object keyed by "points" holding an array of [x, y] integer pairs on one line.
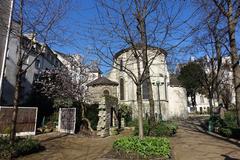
{"points": [[126, 112], [226, 127], [227, 132], [147, 147], [217, 121], [236, 133], [5, 148], [21, 147], [230, 118], [163, 128], [145, 127]]}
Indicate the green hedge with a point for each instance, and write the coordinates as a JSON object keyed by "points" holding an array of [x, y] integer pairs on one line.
{"points": [[217, 121], [230, 119], [227, 132], [147, 147], [226, 127], [21, 147], [163, 128]]}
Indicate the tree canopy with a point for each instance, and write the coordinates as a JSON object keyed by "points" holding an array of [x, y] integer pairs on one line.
{"points": [[190, 77]]}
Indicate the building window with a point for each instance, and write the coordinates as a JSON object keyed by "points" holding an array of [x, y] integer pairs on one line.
{"points": [[49, 57], [121, 89], [201, 99], [23, 76], [35, 77], [26, 60], [37, 64], [201, 110], [145, 90], [121, 65], [106, 93]]}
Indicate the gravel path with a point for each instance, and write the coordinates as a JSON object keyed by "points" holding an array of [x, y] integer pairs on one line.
{"points": [[191, 144]]}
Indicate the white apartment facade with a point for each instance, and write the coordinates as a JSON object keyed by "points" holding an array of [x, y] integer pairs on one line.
{"points": [[46, 60]]}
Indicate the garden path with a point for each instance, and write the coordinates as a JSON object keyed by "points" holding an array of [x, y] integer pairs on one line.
{"points": [[192, 144], [73, 147]]}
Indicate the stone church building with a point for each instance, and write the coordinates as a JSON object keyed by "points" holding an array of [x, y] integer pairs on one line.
{"points": [[169, 97]]}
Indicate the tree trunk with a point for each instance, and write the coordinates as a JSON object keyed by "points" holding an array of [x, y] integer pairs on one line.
{"points": [[142, 30], [151, 105], [140, 111], [15, 105], [235, 65], [18, 77], [210, 100], [193, 100]]}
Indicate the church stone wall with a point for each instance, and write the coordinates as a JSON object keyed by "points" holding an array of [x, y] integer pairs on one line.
{"points": [[96, 92], [173, 99], [177, 103]]}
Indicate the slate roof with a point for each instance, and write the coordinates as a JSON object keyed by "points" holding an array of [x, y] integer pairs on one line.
{"points": [[174, 81], [102, 81]]}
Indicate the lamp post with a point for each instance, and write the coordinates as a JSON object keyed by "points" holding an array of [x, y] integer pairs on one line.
{"points": [[159, 103]]}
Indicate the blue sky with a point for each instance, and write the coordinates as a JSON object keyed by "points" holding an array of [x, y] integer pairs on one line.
{"points": [[77, 20], [81, 16]]}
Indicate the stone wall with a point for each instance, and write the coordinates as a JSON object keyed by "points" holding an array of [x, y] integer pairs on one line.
{"points": [[177, 103], [96, 92], [104, 122]]}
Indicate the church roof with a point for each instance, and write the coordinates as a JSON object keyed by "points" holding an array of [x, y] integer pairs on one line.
{"points": [[102, 81], [138, 46], [174, 80]]}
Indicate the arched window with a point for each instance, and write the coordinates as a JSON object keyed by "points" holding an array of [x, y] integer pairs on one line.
{"points": [[121, 65], [145, 90], [121, 89], [106, 93]]}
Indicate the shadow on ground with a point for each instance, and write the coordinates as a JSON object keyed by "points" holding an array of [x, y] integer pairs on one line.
{"points": [[191, 143], [226, 157], [195, 124]]}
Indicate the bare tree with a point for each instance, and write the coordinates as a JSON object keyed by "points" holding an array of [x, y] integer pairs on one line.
{"points": [[39, 18], [225, 93], [138, 25], [231, 11], [212, 48]]}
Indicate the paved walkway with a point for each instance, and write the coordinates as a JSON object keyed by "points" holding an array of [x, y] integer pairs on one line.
{"points": [[191, 144]]}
